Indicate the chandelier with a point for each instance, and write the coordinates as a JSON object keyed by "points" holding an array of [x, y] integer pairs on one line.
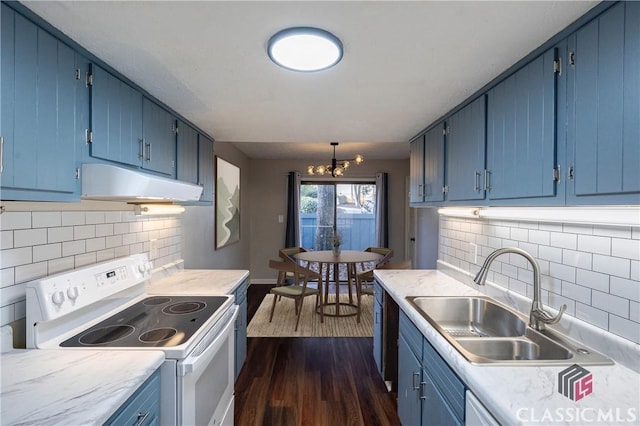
{"points": [[337, 167]]}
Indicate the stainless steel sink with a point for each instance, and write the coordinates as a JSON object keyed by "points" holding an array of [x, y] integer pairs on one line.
{"points": [[487, 332]]}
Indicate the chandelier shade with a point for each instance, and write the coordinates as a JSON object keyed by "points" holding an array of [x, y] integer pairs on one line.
{"points": [[337, 167]]}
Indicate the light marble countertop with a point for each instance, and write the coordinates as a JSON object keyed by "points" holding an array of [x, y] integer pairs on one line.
{"points": [[70, 387], [522, 394], [204, 282]]}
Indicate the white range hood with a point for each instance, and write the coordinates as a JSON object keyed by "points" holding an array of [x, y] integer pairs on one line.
{"points": [[110, 183]]}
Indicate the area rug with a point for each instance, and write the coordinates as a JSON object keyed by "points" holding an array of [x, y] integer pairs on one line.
{"points": [[284, 320]]}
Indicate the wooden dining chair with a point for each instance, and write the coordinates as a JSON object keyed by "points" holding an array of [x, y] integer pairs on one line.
{"points": [[298, 291], [366, 274], [287, 255]]}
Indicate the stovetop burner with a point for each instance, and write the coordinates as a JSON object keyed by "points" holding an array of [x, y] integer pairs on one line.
{"points": [[158, 321]]}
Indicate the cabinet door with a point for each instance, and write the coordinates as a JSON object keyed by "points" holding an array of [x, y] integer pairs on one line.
{"points": [[466, 152], [521, 132], [435, 409], [377, 334], [187, 153], [409, 382], [159, 138], [116, 119], [205, 167], [38, 110], [604, 85], [434, 164], [416, 170]]}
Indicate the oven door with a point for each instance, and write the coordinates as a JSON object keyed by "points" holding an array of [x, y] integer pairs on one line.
{"points": [[206, 377]]}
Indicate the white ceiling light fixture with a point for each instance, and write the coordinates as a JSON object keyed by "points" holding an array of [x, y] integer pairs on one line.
{"points": [[305, 49]]}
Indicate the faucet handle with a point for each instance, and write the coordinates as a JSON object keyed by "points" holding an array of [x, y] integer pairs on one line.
{"points": [[546, 317]]}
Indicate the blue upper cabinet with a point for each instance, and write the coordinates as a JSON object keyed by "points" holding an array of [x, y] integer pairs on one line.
{"points": [[416, 170], [604, 108], [187, 153], [116, 119], [434, 164], [521, 132], [159, 138], [466, 142], [205, 167], [39, 84]]}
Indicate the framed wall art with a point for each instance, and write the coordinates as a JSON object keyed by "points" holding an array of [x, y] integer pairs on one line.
{"points": [[227, 198]]}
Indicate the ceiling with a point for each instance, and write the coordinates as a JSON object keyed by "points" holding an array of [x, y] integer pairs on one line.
{"points": [[405, 64]]}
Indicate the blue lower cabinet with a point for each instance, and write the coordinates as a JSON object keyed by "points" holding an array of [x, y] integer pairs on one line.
{"points": [[143, 408], [378, 326], [241, 326], [429, 392]]}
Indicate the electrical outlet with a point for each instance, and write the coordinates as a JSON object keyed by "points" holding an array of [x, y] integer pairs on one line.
{"points": [[153, 249], [280, 218], [474, 251]]}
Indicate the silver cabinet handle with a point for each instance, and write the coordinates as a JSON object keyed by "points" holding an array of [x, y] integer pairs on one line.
{"points": [[420, 193], [487, 180], [148, 147], [142, 417], [140, 148], [476, 182], [415, 376], [423, 392]]}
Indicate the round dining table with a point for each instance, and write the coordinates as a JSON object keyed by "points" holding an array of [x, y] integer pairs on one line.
{"points": [[326, 258]]}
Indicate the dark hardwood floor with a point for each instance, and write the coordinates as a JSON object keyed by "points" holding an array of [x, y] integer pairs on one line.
{"points": [[309, 381]]}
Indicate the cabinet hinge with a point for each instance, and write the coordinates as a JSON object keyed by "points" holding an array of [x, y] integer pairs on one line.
{"points": [[556, 174], [444, 131], [77, 173], [88, 136], [557, 66], [77, 73], [572, 58], [89, 79], [445, 189]]}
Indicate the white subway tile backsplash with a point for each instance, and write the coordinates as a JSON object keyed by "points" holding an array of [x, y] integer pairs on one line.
{"points": [[56, 235], [31, 271], [95, 244], [629, 249], [73, 218], [612, 265], [107, 254], [628, 289], [594, 316], [15, 220], [15, 257], [84, 231], [29, 237], [47, 251], [592, 244], [120, 228], [46, 219], [562, 240], [6, 240], [610, 303], [594, 280], [104, 230], [625, 328], [7, 277], [94, 217], [594, 269], [62, 264], [577, 258], [85, 259], [71, 248]]}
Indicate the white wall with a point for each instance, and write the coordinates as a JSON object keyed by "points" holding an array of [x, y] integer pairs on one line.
{"points": [[594, 269]]}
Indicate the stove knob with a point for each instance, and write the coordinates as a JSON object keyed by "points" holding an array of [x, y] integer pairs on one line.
{"points": [[72, 293], [58, 298], [142, 268]]}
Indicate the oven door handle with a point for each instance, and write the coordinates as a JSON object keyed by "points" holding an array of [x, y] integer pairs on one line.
{"points": [[210, 343]]}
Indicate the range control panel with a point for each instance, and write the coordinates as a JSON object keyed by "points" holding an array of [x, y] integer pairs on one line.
{"points": [[57, 295]]}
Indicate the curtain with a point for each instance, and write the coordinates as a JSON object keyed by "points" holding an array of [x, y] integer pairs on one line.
{"points": [[382, 212], [292, 237]]}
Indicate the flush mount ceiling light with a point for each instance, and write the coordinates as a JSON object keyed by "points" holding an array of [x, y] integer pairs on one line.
{"points": [[305, 49], [337, 167]]}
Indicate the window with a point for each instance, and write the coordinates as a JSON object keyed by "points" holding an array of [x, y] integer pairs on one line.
{"points": [[350, 207]]}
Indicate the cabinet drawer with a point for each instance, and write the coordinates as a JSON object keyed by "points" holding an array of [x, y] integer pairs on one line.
{"points": [[449, 385], [146, 400], [411, 334]]}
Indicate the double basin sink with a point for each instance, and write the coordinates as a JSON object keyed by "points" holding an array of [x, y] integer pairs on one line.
{"points": [[486, 332]]}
